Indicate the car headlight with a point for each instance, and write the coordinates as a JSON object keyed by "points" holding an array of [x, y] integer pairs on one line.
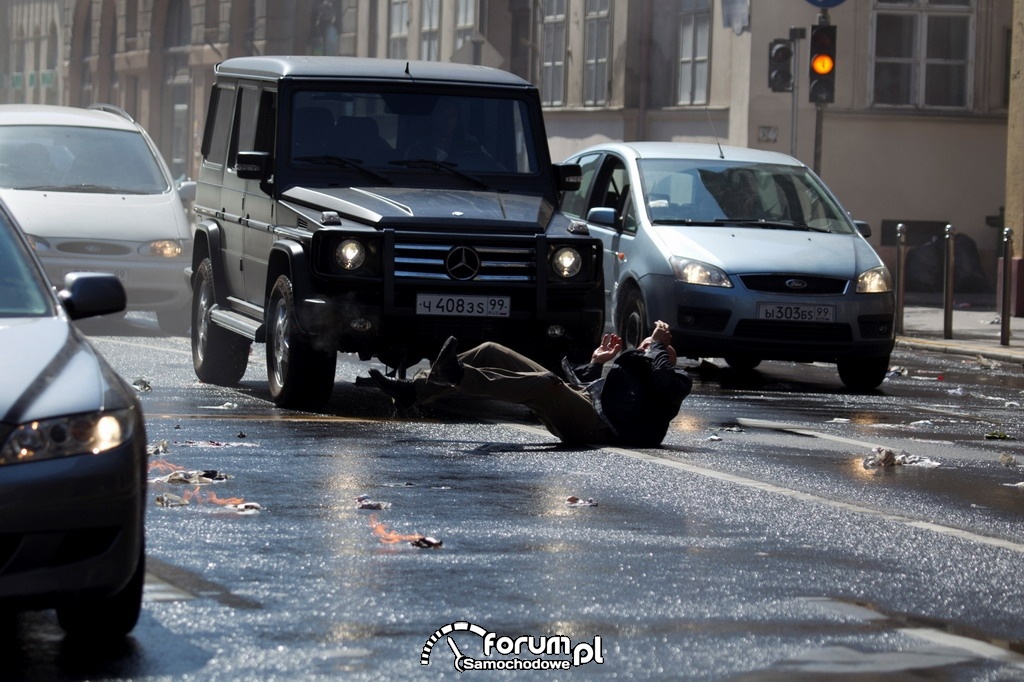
{"points": [[567, 262], [695, 272], [162, 248], [350, 254], [80, 434], [874, 281]]}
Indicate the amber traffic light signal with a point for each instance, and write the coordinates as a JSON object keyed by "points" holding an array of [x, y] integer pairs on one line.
{"points": [[780, 65], [822, 71]]}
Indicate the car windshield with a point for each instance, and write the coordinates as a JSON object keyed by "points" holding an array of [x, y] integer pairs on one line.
{"points": [[22, 288], [78, 159], [689, 191], [424, 132]]}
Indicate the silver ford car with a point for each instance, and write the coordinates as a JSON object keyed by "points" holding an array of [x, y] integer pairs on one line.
{"points": [[746, 253]]}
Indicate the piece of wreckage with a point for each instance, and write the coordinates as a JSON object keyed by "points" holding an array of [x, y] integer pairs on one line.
{"points": [[884, 457], [364, 502], [390, 537], [236, 504]]}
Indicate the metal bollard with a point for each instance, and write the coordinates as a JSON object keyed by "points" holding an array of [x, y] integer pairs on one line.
{"points": [[901, 276], [947, 289], [1004, 315]]}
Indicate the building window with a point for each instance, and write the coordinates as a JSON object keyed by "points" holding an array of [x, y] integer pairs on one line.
{"points": [[922, 53], [465, 21], [398, 32], [430, 31], [694, 48], [552, 69], [595, 57]]}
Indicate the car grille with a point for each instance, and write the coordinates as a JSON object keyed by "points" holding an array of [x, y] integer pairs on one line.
{"points": [[95, 248], [805, 332], [777, 284], [497, 263]]}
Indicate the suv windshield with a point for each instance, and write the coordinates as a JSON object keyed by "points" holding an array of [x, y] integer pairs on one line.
{"points": [[687, 191], [389, 131], [78, 159]]}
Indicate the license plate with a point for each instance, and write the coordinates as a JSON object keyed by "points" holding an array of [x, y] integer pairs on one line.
{"points": [[788, 312], [463, 306]]}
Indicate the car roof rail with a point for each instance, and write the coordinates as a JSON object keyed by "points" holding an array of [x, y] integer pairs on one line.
{"points": [[113, 109]]}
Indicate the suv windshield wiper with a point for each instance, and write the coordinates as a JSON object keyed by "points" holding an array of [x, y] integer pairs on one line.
{"points": [[343, 162], [438, 165], [770, 224]]}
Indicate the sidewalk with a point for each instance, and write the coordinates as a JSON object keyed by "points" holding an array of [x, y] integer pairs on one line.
{"points": [[975, 331]]}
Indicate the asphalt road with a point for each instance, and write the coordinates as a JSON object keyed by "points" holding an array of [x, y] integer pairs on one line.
{"points": [[756, 544]]}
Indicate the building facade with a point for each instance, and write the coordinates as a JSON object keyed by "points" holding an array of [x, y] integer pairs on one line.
{"points": [[916, 133]]}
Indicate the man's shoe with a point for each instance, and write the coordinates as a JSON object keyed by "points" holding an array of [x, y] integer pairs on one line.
{"points": [[402, 391], [447, 369]]}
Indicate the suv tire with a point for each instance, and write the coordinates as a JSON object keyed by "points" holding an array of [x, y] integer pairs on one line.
{"points": [[218, 356], [299, 374]]}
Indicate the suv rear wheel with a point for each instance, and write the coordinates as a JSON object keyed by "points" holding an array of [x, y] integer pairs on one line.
{"points": [[299, 374], [218, 356]]}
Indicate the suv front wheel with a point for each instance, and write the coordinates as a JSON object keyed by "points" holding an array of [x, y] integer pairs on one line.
{"points": [[299, 374]]}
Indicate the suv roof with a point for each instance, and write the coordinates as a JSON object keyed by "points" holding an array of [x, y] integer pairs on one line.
{"points": [[52, 114], [360, 68]]}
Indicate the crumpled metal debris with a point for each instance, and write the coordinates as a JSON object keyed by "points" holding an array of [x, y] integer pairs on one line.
{"points": [[897, 371], [199, 477], [998, 435], [142, 385], [573, 501], [364, 502], [170, 500], [1007, 460], [884, 457], [426, 542], [389, 536], [223, 406], [158, 448]]}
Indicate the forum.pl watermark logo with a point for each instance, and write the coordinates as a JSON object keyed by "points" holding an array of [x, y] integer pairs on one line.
{"points": [[526, 652]]}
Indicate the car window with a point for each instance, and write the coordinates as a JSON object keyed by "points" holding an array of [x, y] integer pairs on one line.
{"points": [[22, 290], [78, 159], [218, 123], [575, 203]]}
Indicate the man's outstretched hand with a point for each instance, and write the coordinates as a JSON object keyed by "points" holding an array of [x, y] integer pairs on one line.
{"points": [[610, 346]]}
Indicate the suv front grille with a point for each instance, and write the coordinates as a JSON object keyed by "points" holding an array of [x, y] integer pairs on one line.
{"points": [[778, 284], [479, 263]]}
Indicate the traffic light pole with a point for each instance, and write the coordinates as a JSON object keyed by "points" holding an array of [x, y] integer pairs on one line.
{"points": [[795, 35], [819, 111]]}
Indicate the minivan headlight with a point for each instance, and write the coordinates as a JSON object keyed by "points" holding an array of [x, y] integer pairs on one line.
{"points": [[874, 281], [163, 248], [695, 272], [79, 434]]}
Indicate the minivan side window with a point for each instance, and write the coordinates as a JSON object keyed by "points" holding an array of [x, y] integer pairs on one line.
{"points": [[575, 203], [215, 137]]}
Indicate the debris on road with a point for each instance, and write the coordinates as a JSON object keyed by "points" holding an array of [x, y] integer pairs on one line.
{"points": [[170, 500], [158, 448], [1015, 485], [897, 371], [200, 477], [223, 406], [884, 457], [364, 502], [390, 537], [142, 385], [200, 497], [573, 501], [838, 420], [217, 444], [1007, 460], [713, 437], [998, 435]]}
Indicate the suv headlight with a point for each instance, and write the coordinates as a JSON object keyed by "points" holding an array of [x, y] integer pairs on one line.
{"points": [[567, 262], [695, 272], [349, 254], [874, 281], [80, 434]]}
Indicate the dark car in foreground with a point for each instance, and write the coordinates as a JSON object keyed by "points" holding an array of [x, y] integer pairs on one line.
{"points": [[72, 452]]}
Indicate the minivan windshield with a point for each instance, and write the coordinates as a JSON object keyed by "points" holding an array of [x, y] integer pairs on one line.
{"points": [[723, 192], [78, 159], [462, 135]]}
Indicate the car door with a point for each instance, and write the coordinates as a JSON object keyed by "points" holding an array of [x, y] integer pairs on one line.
{"points": [[612, 191], [256, 133]]}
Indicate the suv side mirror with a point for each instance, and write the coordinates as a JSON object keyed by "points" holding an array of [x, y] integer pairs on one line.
{"points": [[568, 176], [252, 165]]}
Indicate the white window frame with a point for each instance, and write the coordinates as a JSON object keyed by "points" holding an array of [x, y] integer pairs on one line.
{"points": [[919, 62], [430, 30], [465, 21], [597, 37], [693, 65], [553, 44], [398, 29]]}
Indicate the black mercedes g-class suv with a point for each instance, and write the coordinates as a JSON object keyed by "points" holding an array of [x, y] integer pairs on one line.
{"points": [[377, 207]]}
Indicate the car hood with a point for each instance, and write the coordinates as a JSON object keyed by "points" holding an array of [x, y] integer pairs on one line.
{"points": [[397, 204], [122, 217], [57, 372], [745, 250]]}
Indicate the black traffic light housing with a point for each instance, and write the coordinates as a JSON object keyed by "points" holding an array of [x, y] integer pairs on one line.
{"points": [[822, 70], [780, 65]]}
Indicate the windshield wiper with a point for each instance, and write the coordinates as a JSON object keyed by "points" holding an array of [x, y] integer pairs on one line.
{"points": [[769, 224], [343, 162], [85, 188], [438, 165]]}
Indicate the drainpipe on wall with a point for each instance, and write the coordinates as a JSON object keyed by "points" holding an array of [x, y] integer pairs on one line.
{"points": [[645, 67]]}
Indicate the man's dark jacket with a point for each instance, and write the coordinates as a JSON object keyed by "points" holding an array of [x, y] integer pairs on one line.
{"points": [[639, 396]]}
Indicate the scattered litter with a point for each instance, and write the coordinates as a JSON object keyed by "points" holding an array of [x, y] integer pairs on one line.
{"points": [[733, 429], [956, 391], [241, 434], [897, 371], [200, 497], [246, 507], [142, 385], [995, 320], [884, 457], [1007, 460], [839, 420], [573, 501], [407, 484], [923, 422], [200, 477], [998, 435], [158, 448], [364, 502], [224, 406], [170, 500], [1015, 485], [713, 436], [1011, 403], [216, 444], [391, 537]]}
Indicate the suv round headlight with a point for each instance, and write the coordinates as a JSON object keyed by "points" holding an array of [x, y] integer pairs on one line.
{"points": [[567, 262], [350, 254]]}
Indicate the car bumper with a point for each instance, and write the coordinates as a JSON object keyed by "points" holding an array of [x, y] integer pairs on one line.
{"points": [[71, 527], [716, 322], [153, 284]]}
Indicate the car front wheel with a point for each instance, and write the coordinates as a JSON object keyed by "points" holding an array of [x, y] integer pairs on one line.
{"points": [[218, 355], [863, 374], [108, 618], [633, 319], [300, 375]]}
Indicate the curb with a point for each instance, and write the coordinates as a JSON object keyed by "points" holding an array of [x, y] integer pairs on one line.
{"points": [[1001, 353]]}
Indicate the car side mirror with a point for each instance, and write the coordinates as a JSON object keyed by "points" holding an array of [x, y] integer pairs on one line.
{"points": [[187, 190], [87, 294], [252, 165], [863, 227], [568, 176], [601, 215]]}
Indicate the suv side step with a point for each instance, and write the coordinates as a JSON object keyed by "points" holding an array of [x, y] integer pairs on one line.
{"points": [[239, 324]]}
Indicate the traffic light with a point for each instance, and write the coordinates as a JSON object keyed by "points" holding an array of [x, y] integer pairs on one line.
{"points": [[823, 64], [780, 65]]}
